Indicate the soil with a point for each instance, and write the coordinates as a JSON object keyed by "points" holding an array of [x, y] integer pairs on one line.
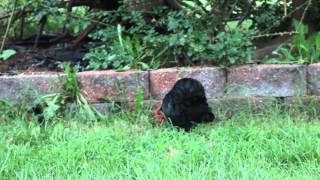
{"points": [[41, 60]]}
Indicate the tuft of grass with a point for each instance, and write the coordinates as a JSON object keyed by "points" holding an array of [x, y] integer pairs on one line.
{"points": [[266, 146], [138, 102], [69, 100]]}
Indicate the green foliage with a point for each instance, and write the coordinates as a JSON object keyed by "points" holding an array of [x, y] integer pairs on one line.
{"points": [[11, 112], [139, 101], [52, 106], [125, 53], [179, 38], [57, 17], [55, 105], [6, 54], [267, 17], [232, 49], [303, 49], [70, 85]]}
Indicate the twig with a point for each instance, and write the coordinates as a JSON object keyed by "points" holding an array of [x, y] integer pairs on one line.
{"points": [[42, 22], [8, 26], [274, 34], [22, 27], [285, 7], [247, 13], [288, 15], [17, 14], [89, 19], [5, 16], [69, 10], [82, 18], [96, 21], [305, 11], [198, 2], [82, 35]]}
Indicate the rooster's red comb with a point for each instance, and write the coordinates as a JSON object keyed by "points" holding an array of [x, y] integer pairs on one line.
{"points": [[159, 115]]}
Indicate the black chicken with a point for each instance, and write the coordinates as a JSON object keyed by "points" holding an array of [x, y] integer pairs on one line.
{"points": [[185, 105]]}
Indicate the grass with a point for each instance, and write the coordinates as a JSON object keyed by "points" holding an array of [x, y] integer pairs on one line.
{"points": [[273, 146]]}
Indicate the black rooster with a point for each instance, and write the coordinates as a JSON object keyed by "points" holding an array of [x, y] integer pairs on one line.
{"points": [[185, 105]]}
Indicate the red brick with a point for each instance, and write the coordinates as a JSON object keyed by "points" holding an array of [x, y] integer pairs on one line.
{"points": [[95, 85], [314, 79], [241, 104], [27, 87], [303, 101], [267, 80], [162, 80], [99, 86]]}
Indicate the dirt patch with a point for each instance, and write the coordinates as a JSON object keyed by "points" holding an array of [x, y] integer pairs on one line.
{"points": [[41, 60]]}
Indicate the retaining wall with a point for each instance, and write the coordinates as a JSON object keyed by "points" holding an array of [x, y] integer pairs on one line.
{"points": [[250, 84]]}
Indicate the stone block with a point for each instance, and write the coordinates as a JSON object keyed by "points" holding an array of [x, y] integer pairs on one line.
{"points": [[267, 80], [27, 87], [102, 86], [233, 105], [213, 79], [314, 79]]}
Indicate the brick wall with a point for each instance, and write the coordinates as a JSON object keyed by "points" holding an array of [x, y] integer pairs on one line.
{"points": [[249, 83]]}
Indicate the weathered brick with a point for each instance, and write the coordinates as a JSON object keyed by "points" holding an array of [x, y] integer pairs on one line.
{"points": [[267, 80], [308, 105], [100, 86], [233, 105], [27, 87], [303, 102], [314, 79], [213, 79], [103, 108], [95, 85]]}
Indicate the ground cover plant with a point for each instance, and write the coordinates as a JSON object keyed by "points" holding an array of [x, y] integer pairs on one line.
{"points": [[303, 49], [269, 145]]}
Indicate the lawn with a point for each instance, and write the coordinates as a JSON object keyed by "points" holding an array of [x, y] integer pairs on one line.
{"points": [[273, 146]]}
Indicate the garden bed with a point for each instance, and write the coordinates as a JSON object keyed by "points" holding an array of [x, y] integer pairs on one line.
{"points": [[41, 60]]}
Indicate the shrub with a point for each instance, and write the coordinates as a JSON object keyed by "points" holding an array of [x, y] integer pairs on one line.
{"points": [[303, 49], [180, 38]]}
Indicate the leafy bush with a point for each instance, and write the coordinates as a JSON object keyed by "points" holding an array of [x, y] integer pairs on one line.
{"points": [[232, 49], [123, 54], [52, 106], [179, 38], [267, 17], [303, 49]]}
